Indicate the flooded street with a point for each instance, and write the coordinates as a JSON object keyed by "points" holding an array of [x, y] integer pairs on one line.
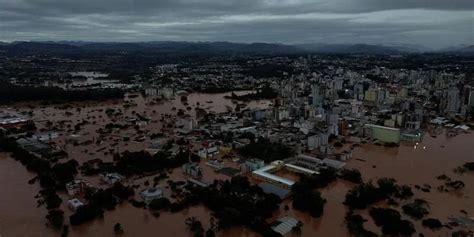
{"points": [[92, 116], [19, 214], [408, 164], [22, 217], [421, 165]]}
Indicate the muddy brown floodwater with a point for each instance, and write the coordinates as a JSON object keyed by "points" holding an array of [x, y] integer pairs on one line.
{"points": [[407, 164]]}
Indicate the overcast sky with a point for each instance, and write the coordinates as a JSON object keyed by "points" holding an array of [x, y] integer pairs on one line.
{"points": [[433, 23]]}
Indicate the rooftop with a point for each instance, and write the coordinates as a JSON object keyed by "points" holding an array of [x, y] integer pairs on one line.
{"points": [[264, 173], [284, 225]]}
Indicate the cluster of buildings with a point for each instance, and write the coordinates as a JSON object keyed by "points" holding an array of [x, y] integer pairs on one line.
{"points": [[12, 120], [299, 164], [322, 110], [323, 106]]}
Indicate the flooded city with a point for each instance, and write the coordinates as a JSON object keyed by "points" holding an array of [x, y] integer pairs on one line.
{"points": [[336, 120], [413, 164]]}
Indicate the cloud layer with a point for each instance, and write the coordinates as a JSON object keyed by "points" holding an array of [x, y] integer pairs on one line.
{"points": [[433, 23]]}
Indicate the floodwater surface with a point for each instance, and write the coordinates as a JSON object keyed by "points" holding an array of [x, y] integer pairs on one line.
{"points": [[409, 164]]}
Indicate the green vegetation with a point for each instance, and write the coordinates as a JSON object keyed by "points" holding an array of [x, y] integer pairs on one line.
{"points": [[195, 226], [351, 175], [268, 70], [355, 225], [98, 200], [50, 198], [137, 204], [404, 192], [469, 166], [85, 213], [366, 194], [52, 177], [418, 209], [64, 172], [65, 231], [455, 185], [12, 93], [307, 200], [137, 163], [265, 92], [159, 204], [234, 203], [321, 180], [118, 229], [432, 223], [363, 195], [266, 150], [297, 228], [56, 218], [391, 222]]}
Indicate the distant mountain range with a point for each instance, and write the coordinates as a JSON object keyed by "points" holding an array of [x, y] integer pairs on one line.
{"points": [[182, 47], [459, 49], [150, 47], [351, 48]]}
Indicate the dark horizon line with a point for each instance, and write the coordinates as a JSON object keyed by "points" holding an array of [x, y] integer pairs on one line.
{"points": [[230, 42]]}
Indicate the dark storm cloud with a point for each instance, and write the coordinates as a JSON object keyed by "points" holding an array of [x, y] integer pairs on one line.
{"points": [[429, 22]]}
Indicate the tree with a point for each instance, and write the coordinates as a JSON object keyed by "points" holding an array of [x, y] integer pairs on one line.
{"points": [[159, 204], [266, 150], [404, 192], [297, 228], [51, 199], [432, 223], [456, 185], [391, 222], [65, 232], [64, 172], [118, 229], [323, 179], [362, 196], [195, 226], [56, 218], [352, 175], [85, 213], [307, 200], [365, 194], [355, 225], [210, 233], [10, 93], [386, 187], [418, 209], [469, 165]]}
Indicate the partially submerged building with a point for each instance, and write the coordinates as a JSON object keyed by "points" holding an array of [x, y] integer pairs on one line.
{"points": [[11, 120], [284, 225], [77, 187], [192, 169], [151, 194], [111, 178], [265, 174], [74, 204], [252, 164], [215, 164], [382, 133]]}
